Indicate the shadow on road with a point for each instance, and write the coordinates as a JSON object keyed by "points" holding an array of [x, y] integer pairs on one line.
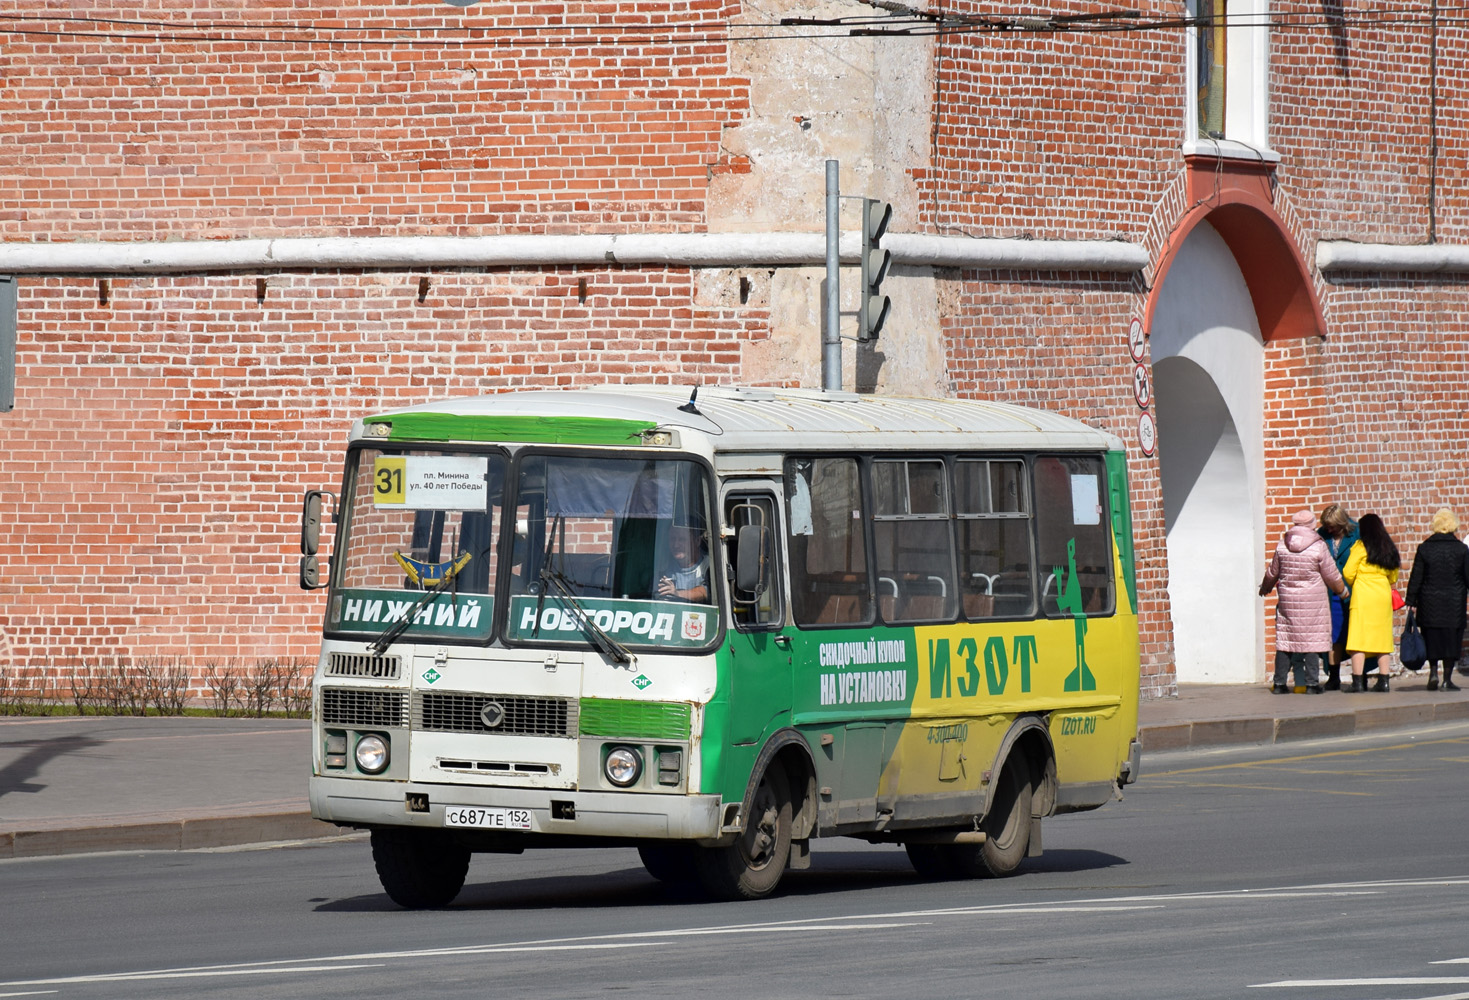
{"points": [[16, 776], [831, 873]]}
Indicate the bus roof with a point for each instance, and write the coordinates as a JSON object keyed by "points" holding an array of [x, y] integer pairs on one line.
{"points": [[755, 419]]}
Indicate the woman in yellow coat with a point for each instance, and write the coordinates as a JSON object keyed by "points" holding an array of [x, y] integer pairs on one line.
{"points": [[1371, 571]]}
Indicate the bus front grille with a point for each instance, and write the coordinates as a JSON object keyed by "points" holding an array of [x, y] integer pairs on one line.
{"points": [[508, 715], [363, 709], [364, 665]]}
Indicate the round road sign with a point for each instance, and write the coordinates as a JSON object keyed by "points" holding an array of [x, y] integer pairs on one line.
{"points": [[1136, 342], [1147, 434]]}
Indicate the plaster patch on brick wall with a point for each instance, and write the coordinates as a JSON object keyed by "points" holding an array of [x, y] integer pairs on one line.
{"points": [[792, 354]]}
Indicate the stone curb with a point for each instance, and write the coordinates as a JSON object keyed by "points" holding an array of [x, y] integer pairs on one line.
{"points": [[176, 835], [1238, 732]]}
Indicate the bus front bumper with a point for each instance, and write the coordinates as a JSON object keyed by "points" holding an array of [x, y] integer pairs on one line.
{"points": [[631, 815]]}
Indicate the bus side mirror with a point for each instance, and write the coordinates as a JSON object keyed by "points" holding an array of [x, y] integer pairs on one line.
{"points": [[311, 523], [752, 573], [310, 573]]}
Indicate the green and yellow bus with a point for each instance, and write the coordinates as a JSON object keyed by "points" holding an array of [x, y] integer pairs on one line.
{"points": [[713, 626]]}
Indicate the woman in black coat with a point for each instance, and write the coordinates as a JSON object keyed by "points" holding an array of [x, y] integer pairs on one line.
{"points": [[1436, 590]]}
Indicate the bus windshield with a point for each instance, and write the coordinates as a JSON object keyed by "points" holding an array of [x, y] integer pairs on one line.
{"points": [[418, 546], [611, 550]]}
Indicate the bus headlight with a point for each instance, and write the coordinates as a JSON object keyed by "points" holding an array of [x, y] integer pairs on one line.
{"points": [[372, 754], [624, 766]]}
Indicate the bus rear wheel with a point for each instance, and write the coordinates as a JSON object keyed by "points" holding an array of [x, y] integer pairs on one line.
{"points": [[1007, 824], [1007, 834], [751, 867], [419, 869]]}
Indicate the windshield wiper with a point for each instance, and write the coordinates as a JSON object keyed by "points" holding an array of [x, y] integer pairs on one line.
{"points": [[545, 562], [610, 647], [398, 627]]}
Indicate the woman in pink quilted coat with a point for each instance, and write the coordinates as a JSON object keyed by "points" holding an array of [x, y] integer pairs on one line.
{"points": [[1301, 570]]}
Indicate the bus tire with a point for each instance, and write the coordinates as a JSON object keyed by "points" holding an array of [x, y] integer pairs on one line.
{"points": [[933, 861], [1007, 824], [1007, 834], [419, 869], [671, 863], [751, 867]]}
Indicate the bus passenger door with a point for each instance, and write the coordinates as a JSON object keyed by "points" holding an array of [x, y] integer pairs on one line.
{"points": [[759, 652]]}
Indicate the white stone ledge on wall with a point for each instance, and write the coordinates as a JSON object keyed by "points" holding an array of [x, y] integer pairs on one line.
{"points": [[1021, 255], [675, 250], [1341, 255]]}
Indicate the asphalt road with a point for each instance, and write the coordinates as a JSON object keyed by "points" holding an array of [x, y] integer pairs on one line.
{"points": [[1332, 869]]}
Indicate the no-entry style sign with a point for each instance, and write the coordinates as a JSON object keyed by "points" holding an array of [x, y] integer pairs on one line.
{"points": [[1141, 389]]}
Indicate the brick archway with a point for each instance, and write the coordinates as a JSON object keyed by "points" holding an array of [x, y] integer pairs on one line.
{"points": [[1230, 203], [1236, 198]]}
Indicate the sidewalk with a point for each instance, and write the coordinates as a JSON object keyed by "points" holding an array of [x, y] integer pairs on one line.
{"points": [[1217, 715], [74, 785]]}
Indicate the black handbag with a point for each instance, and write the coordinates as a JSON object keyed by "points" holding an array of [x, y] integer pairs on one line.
{"points": [[1412, 650]]}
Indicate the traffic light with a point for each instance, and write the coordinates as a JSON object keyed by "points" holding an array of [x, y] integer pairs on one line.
{"points": [[874, 308]]}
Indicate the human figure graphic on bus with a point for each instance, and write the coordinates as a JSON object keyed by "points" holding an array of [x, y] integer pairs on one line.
{"points": [[1068, 598]]}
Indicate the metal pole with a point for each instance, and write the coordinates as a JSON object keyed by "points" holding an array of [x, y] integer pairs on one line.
{"points": [[831, 332]]}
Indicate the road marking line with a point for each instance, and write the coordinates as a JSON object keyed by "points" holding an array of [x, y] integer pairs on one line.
{"points": [[1310, 756], [1383, 981], [1278, 788], [853, 922], [618, 941], [128, 977], [1022, 909], [103, 740]]}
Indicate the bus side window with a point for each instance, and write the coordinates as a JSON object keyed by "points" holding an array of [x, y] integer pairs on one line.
{"points": [[913, 540], [744, 512], [992, 504], [1074, 534], [826, 545]]}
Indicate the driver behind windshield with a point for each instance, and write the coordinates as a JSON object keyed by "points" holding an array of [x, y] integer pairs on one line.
{"points": [[685, 575]]}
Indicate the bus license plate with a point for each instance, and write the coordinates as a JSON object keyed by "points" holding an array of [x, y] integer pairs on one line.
{"points": [[487, 819]]}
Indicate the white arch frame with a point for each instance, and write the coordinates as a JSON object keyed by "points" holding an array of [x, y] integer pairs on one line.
{"points": [[1205, 318]]}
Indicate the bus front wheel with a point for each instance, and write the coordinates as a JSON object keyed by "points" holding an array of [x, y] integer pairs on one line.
{"points": [[419, 869], [751, 867], [671, 863]]}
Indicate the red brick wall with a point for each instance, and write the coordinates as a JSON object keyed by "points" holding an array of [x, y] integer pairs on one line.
{"points": [[1052, 135], [161, 442], [1397, 363], [1350, 118], [1375, 417], [1378, 400], [1079, 136], [160, 445], [362, 119]]}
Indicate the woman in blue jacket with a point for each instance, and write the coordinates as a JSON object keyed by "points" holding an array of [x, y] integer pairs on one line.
{"points": [[1340, 533]]}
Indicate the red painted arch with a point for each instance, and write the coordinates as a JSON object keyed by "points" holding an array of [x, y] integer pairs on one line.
{"points": [[1234, 197]]}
